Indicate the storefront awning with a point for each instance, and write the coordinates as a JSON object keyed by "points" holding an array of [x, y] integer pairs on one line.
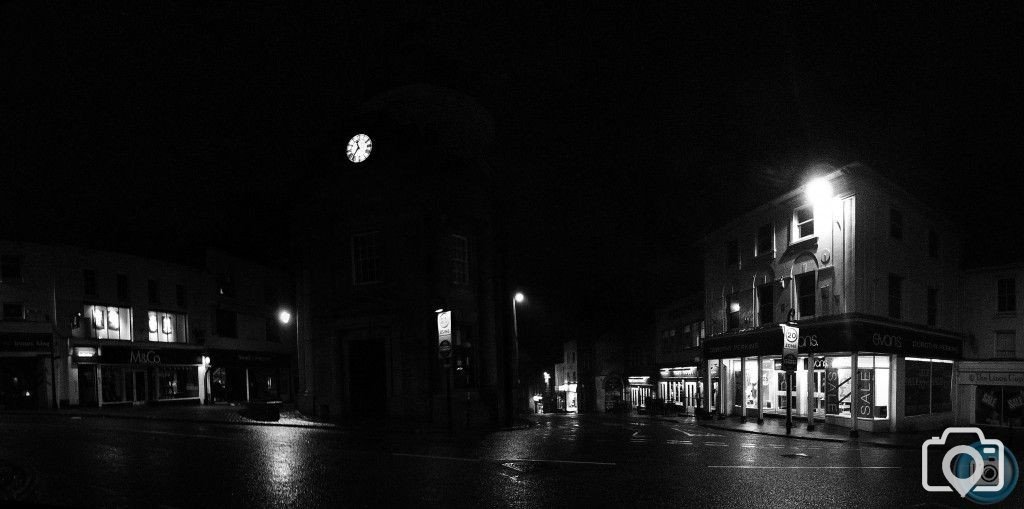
{"points": [[845, 333]]}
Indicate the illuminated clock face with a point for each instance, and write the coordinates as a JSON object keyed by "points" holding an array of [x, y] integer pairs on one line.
{"points": [[359, 148]]}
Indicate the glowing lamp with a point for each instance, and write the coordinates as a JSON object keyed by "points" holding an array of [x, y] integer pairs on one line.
{"points": [[97, 318], [734, 307], [284, 316], [152, 323], [520, 297], [819, 192]]}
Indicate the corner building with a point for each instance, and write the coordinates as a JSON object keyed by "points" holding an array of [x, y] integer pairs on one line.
{"points": [[869, 274]]}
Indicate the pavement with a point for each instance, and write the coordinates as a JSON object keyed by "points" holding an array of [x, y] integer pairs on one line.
{"points": [[776, 426]]}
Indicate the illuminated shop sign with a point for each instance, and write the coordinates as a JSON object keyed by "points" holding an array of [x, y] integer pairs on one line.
{"points": [[838, 337], [687, 372], [639, 380]]}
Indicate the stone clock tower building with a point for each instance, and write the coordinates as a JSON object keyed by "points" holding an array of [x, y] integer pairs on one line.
{"points": [[396, 224]]}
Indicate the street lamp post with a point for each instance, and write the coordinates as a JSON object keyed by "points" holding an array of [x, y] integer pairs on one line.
{"points": [[517, 298]]}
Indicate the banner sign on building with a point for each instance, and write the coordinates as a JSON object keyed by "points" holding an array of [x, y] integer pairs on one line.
{"points": [[831, 391], [865, 404], [790, 345], [444, 335]]}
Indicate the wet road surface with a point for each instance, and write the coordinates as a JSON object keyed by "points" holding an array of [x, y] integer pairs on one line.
{"points": [[564, 461]]}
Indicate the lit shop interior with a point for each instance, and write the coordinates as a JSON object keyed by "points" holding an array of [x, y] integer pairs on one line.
{"points": [[831, 390]]}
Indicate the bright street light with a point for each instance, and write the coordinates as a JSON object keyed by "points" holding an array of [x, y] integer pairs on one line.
{"points": [[819, 192], [519, 297], [284, 316]]}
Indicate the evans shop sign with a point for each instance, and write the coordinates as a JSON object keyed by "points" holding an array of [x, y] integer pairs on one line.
{"points": [[850, 335]]}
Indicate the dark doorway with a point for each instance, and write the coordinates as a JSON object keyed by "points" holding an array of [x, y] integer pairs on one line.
{"points": [[368, 386], [87, 385]]}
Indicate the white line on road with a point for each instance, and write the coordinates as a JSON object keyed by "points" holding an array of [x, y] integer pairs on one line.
{"points": [[803, 467], [571, 462], [687, 433]]}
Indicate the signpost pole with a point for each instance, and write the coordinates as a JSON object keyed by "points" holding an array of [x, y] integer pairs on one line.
{"points": [[444, 353], [448, 377], [790, 346], [789, 402]]}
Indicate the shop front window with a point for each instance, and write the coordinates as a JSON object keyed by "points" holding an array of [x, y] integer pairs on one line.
{"points": [[835, 388], [999, 405], [177, 382], [929, 386]]}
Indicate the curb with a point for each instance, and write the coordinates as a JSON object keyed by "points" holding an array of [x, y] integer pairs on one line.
{"points": [[819, 439], [329, 427]]}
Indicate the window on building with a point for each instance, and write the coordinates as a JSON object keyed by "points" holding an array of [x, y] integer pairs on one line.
{"points": [[89, 282], [366, 259], [179, 296], [732, 253], [733, 311], [1006, 344], [803, 223], [805, 297], [109, 322], [765, 304], [895, 296], [933, 244], [153, 291], [895, 224], [122, 287], [10, 269], [929, 386], [166, 327], [14, 311], [933, 306], [458, 257], [1007, 295], [227, 323], [765, 239]]}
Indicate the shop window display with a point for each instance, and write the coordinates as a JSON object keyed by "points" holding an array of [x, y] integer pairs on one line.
{"points": [[178, 382]]}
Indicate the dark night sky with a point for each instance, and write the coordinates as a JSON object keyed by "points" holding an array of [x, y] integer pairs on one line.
{"points": [[623, 131]]}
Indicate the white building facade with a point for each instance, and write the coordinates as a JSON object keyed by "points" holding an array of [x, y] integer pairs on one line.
{"points": [[869, 274]]}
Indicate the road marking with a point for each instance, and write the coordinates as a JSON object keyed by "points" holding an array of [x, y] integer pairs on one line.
{"points": [[716, 444], [687, 433], [748, 445], [803, 467], [571, 462]]}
